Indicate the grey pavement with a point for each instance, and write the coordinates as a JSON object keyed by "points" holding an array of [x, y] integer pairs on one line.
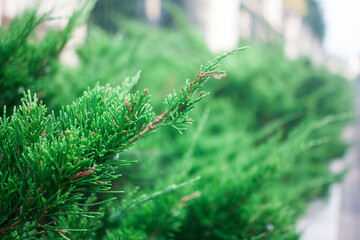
{"points": [[349, 211], [338, 217]]}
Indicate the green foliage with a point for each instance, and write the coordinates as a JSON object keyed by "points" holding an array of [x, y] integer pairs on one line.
{"points": [[297, 87], [49, 164], [108, 58], [262, 146], [26, 61], [246, 189]]}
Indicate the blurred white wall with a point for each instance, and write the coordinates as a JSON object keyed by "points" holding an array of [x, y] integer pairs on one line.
{"points": [[1, 11], [222, 32], [354, 67], [292, 32], [153, 10], [197, 13], [273, 13], [245, 24]]}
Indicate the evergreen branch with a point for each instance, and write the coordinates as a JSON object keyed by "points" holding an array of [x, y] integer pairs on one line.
{"points": [[178, 105], [49, 164]]}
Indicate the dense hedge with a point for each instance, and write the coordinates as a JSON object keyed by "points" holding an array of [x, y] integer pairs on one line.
{"points": [[261, 143]]}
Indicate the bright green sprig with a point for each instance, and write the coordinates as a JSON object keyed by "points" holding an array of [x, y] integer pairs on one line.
{"points": [[50, 164], [179, 104]]}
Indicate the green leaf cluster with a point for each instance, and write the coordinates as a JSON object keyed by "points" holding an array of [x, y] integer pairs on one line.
{"points": [[261, 147], [49, 164], [28, 60]]}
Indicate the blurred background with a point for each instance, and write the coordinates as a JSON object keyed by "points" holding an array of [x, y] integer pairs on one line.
{"points": [[270, 138], [323, 31]]}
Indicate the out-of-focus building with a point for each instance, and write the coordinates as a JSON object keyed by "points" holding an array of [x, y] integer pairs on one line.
{"points": [[226, 24]]}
